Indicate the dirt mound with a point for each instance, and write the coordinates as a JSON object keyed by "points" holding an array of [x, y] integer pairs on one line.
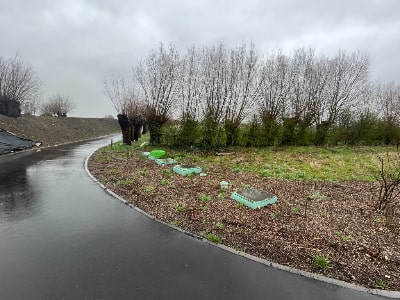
{"points": [[53, 130]]}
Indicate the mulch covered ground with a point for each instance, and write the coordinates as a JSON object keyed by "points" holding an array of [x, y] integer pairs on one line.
{"points": [[336, 220]]}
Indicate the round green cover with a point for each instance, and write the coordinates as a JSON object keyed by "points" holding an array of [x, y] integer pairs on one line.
{"points": [[157, 153]]}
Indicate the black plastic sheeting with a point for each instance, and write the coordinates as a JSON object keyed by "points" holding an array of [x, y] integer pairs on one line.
{"points": [[10, 142]]}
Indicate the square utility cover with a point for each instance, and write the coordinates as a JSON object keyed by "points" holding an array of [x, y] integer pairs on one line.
{"points": [[253, 197]]}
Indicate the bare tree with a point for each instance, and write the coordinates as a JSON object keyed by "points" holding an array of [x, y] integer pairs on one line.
{"points": [[243, 85], [387, 97], [18, 81], [301, 71], [57, 105], [214, 81], [189, 98], [158, 78], [190, 92], [348, 78], [123, 97], [272, 96], [32, 106], [214, 76], [388, 100]]}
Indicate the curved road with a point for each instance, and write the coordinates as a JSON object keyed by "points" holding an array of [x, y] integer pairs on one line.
{"points": [[63, 237]]}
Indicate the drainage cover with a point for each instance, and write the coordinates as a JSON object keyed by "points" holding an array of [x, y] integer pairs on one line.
{"points": [[165, 161], [254, 198], [186, 169], [157, 153]]}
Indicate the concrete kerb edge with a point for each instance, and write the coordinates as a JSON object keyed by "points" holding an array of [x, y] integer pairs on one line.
{"points": [[340, 283]]}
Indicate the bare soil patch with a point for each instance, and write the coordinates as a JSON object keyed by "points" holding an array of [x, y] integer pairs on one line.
{"points": [[336, 220]]}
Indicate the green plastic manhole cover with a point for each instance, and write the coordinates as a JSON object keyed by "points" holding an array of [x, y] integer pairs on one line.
{"points": [[254, 198], [157, 153]]}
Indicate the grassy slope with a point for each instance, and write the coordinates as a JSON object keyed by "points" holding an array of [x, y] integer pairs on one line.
{"points": [[53, 130]]}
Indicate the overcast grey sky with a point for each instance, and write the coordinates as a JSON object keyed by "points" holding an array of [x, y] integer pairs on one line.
{"points": [[74, 44]]}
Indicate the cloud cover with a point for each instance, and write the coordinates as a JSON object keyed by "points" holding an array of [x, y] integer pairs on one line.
{"points": [[74, 44]]}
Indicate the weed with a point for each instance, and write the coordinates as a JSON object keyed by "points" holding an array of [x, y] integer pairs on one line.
{"points": [[394, 227], [239, 204], [221, 196], [191, 175], [205, 198], [181, 206], [381, 284], [295, 210], [379, 220], [211, 237], [121, 182], [165, 182], [272, 216], [113, 171], [176, 222], [343, 236], [267, 166], [316, 196], [132, 181], [219, 225], [149, 188], [143, 173], [166, 172], [322, 261], [237, 170], [238, 248]]}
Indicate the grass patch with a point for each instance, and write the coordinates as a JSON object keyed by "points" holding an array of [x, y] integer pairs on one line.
{"points": [[221, 195], [322, 261], [219, 225], [343, 236], [301, 163], [149, 189], [165, 182], [181, 207], [212, 237], [176, 222], [381, 284], [205, 198], [295, 163], [121, 182], [295, 210], [316, 196], [166, 172]]}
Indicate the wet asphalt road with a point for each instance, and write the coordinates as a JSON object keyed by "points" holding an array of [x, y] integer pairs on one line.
{"points": [[63, 237]]}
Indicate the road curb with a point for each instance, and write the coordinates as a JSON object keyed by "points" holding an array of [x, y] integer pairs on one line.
{"points": [[340, 283]]}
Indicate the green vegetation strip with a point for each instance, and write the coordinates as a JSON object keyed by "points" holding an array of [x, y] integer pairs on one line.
{"points": [[294, 163], [300, 163]]}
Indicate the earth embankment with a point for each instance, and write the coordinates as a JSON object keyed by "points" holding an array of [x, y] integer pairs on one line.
{"points": [[53, 130]]}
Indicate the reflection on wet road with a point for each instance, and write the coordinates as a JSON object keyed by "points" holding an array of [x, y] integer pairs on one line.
{"points": [[63, 237]]}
